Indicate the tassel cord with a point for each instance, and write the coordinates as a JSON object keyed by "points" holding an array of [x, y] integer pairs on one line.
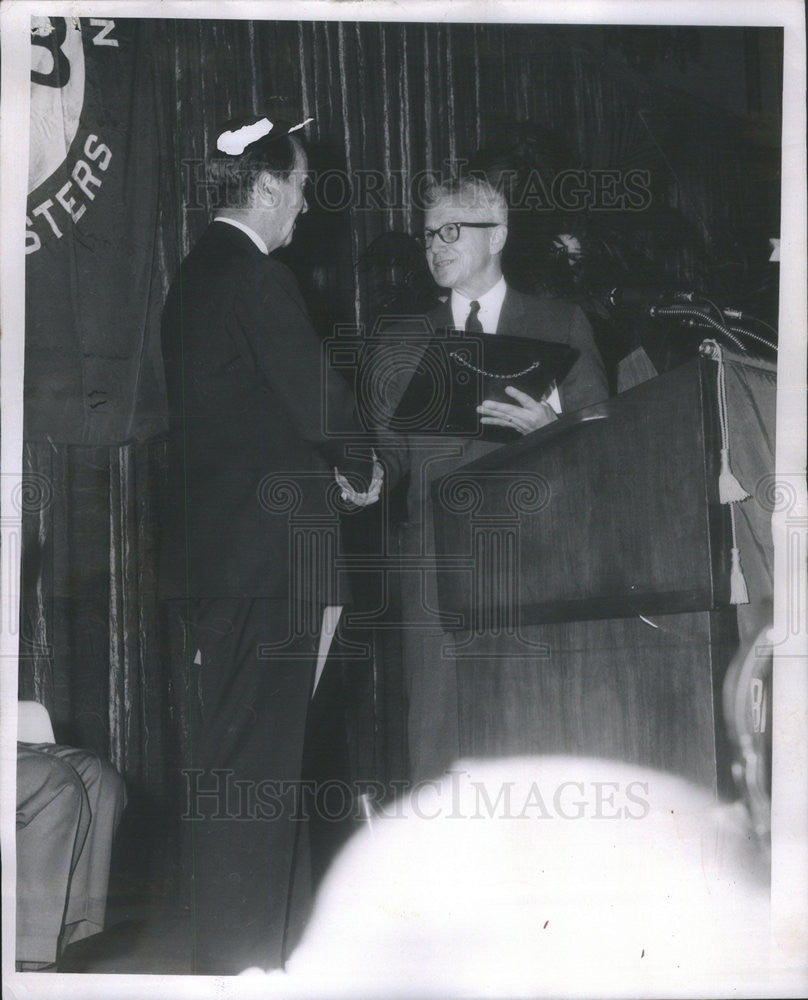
{"points": [[730, 490]]}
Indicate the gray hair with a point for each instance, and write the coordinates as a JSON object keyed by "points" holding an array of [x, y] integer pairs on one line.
{"points": [[471, 192]]}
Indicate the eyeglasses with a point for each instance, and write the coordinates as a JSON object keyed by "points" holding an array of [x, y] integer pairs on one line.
{"points": [[449, 232]]}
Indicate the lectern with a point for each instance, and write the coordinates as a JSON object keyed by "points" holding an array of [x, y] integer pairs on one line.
{"points": [[584, 571]]}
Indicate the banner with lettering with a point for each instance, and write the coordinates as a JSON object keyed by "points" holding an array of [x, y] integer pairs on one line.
{"points": [[93, 368]]}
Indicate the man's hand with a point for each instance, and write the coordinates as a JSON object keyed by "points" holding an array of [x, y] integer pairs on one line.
{"points": [[528, 416], [362, 499]]}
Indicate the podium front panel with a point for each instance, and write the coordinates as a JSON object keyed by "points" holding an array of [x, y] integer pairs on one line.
{"points": [[643, 691], [612, 511]]}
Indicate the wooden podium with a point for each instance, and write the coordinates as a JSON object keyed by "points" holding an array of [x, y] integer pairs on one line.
{"points": [[584, 572]]}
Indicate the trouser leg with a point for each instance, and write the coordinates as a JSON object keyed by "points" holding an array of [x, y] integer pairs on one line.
{"points": [[433, 736], [249, 683], [430, 673], [53, 818], [327, 768], [106, 795]]}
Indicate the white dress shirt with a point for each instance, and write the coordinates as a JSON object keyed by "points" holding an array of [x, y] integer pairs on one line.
{"points": [[490, 307], [245, 229]]}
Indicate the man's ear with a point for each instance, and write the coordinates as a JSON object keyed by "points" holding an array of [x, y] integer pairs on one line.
{"points": [[499, 237], [267, 190]]}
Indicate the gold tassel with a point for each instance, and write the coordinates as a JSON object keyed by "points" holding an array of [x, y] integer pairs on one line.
{"points": [[738, 593], [729, 489]]}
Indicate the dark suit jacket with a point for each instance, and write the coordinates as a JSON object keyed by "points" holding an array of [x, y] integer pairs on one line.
{"points": [[249, 398], [426, 458]]}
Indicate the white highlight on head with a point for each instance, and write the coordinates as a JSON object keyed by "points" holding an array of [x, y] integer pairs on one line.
{"points": [[303, 124], [234, 143]]}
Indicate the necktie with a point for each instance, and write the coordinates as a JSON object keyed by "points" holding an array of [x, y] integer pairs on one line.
{"points": [[473, 325]]}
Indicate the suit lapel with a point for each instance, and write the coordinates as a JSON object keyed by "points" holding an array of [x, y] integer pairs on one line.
{"points": [[441, 318], [516, 318], [513, 319]]}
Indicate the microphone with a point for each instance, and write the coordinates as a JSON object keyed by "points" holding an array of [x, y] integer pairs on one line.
{"points": [[645, 297]]}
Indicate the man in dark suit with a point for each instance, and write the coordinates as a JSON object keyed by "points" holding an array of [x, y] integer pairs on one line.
{"points": [[464, 236], [257, 427]]}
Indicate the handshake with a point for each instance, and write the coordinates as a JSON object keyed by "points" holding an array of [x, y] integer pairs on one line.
{"points": [[351, 495]]}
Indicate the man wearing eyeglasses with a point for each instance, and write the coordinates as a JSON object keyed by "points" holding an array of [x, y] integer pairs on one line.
{"points": [[465, 230]]}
